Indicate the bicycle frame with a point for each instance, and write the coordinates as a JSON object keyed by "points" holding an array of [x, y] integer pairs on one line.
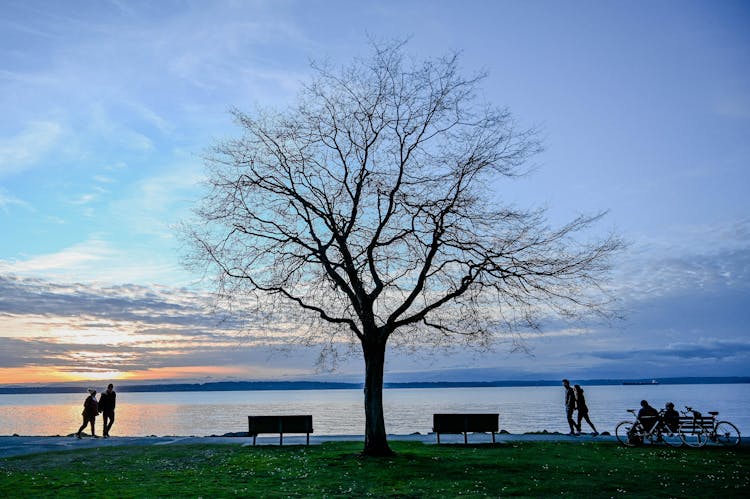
{"points": [[659, 432], [722, 432]]}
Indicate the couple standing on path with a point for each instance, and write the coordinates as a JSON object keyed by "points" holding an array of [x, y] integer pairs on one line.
{"points": [[574, 399], [92, 408]]}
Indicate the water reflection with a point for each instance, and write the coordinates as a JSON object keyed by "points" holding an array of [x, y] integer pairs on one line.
{"points": [[340, 412]]}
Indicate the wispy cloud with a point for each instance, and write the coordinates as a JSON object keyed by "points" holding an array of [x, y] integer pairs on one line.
{"points": [[7, 200], [30, 145], [97, 260], [151, 206], [84, 199], [696, 257], [103, 179], [69, 260]]}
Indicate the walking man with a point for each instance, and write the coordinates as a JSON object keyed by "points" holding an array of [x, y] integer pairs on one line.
{"points": [[107, 407], [570, 405]]}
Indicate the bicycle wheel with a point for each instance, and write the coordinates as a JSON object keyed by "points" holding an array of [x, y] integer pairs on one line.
{"points": [[693, 437], [672, 438], [727, 434], [628, 434]]}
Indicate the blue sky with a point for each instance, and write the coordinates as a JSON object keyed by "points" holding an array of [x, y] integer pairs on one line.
{"points": [[107, 107]]}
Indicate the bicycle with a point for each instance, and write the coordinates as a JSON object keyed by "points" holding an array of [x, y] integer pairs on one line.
{"points": [[698, 429], [644, 431]]}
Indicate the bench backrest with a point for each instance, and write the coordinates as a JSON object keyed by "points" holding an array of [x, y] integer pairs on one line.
{"points": [[279, 424], [460, 423], [694, 424]]}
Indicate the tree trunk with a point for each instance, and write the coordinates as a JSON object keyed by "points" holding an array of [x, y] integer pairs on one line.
{"points": [[376, 443]]}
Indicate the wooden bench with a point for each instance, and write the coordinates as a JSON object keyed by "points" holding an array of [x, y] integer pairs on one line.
{"points": [[464, 423], [691, 425], [280, 425]]}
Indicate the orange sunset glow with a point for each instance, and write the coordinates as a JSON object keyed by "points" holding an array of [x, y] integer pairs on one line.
{"points": [[60, 374]]}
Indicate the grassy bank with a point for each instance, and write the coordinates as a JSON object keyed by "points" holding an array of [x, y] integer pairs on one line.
{"points": [[334, 469]]}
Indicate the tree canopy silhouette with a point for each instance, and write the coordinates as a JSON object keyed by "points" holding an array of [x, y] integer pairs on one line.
{"points": [[374, 208]]}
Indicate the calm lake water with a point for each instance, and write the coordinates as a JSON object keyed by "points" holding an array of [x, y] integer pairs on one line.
{"points": [[340, 412]]}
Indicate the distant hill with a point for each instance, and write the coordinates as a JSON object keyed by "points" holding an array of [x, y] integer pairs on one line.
{"points": [[324, 385]]}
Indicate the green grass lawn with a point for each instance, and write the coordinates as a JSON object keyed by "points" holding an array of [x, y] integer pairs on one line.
{"points": [[532, 469]]}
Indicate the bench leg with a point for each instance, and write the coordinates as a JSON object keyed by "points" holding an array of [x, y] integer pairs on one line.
{"points": [[493, 437], [281, 439], [466, 439], [254, 437], [308, 439], [438, 435]]}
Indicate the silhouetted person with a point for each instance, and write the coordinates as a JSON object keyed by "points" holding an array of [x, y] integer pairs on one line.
{"points": [[671, 417], [90, 410], [107, 408], [583, 410], [647, 415], [570, 405]]}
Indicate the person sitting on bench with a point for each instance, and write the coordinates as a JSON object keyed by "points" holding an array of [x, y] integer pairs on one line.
{"points": [[671, 417], [648, 416]]}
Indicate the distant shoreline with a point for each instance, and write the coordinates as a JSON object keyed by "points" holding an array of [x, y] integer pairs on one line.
{"points": [[322, 385]]}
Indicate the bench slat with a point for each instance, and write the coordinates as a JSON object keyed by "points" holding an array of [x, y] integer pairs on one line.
{"points": [[696, 424]]}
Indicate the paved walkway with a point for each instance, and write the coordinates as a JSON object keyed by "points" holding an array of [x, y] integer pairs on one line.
{"points": [[20, 445]]}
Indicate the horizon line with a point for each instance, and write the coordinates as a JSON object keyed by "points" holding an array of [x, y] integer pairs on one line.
{"points": [[268, 385]]}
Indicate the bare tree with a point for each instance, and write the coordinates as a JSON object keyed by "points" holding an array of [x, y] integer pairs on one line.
{"points": [[372, 208]]}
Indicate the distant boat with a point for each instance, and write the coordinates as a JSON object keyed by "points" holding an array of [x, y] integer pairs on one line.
{"points": [[652, 382]]}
